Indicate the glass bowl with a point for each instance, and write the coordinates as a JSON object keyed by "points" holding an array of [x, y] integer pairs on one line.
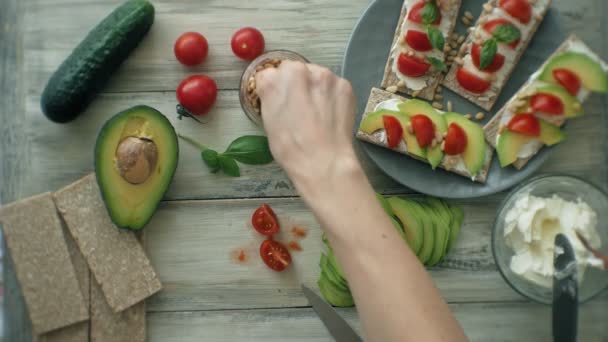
{"points": [[569, 188]]}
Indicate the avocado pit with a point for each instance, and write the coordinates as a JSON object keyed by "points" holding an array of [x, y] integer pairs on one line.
{"points": [[136, 158]]}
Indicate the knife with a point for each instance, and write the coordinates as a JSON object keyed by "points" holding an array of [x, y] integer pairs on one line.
{"points": [[565, 291], [335, 324]]}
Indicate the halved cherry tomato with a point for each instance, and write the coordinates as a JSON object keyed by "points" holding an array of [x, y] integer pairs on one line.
{"points": [[191, 48], [496, 64], [525, 123], [423, 129], [248, 43], [418, 40], [491, 25], [455, 141], [568, 80], [197, 94], [394, 131], [411, 66], [275, 255], [471, 82], [415, 14], [519, 9], [547, 103], [265, 221]]}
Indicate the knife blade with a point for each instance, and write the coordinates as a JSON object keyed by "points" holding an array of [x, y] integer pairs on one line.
{"points": [[339, 329], [565, 291]]}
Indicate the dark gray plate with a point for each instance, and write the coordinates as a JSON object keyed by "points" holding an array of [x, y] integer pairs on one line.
{"points": [[363, 65]]}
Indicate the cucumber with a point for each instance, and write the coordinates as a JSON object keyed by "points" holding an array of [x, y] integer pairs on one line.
{"points": [[82, 75]]}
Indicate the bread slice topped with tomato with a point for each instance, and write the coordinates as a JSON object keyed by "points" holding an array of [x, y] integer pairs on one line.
{"points": [[416, 59], [533, 117], [413, 127], [493, 48]]}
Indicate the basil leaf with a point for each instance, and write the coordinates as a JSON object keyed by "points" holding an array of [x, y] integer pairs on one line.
{"points": [[229, 166], [210, 157], [437, 63], [250, 149], [430, 13], [488, 52], [506, 33], [436, 37]]}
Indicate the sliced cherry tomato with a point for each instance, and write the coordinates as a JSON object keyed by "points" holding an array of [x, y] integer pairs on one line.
{"points": [[415, 13], [471, 82], [418, 40], [519, 9], [496, 64], [248, 43], [191, 48], [455, 141], [525, 123], [547, 103], [197, 94], [491, 25], [568, 80], [265, 221], [275, 255], [423, 129], [411, 66], [394, 131]]}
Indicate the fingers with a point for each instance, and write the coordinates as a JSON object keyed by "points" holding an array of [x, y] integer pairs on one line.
{"points": [[265, 80]]}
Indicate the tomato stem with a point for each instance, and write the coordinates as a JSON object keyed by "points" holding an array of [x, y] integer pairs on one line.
{"points": [[193, 142], [182, 111]]}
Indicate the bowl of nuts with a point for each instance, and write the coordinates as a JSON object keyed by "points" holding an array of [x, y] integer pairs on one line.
{"points": [[250, 101]]}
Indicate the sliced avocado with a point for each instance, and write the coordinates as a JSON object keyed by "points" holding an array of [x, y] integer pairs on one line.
{"points": [[135, 158], [408, 216], [474, 155], [572, 106], [456, 224], [334, 295], [510, 143], [384, 203], [591, 74], [442, 232], [328, 271], [430, 231], [399, 228], [373, 122]]}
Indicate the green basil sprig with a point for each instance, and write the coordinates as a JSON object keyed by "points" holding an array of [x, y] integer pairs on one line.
{"points": [[430, 14], [437, 63], [504, 33]]}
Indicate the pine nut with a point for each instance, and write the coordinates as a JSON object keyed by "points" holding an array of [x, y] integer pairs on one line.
{"points": [[469, 15], [437, 105], [415, 93], [480, 116], [438, 97], [392, 89], [487, 7], [449, 106], [467, 116], [466, 21]]}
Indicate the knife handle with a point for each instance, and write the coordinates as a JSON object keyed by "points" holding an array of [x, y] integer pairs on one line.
{"points": [[565, 311]]}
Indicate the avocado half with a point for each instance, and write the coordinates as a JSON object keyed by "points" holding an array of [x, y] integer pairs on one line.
{"points": [[136, 156]]}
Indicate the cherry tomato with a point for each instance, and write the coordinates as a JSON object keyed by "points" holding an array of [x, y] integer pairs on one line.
{"points": [[197, 94], [525, 123], [394, 131], [418, 40], [191, 48], [410, 66], [471, 82], [491, 25], [423, 129], [547, 104], [415, 13], [568, 80], [455, 141], [275, 255], [496, 64], [519, 9], [248, 43], [265, 221]]}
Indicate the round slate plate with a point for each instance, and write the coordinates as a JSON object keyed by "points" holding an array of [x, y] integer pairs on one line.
{"points": [[364, 63]]}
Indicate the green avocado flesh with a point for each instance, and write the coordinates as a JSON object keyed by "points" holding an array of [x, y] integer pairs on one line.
{"points": [[407, 213], [132, 204], [373, 122], [510, 143], [474, 155], [572, 106], [591, 74]]}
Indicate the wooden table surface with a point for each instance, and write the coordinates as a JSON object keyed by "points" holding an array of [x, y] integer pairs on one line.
{"points": [[204, 216]]}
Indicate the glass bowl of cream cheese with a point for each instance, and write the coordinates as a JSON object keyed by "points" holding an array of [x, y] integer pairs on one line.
{"points": [[525, 229]]}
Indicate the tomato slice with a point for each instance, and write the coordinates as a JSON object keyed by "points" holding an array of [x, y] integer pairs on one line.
{"points": [[471, 82], [568, 80], [275, 255], [394, 131], [519, 9], [423, 129], [455, 141], [418, 40], [496, 64], [525, 123], [415, 13], [265, 221], [547, 103], [491, 25], [411, 66]]}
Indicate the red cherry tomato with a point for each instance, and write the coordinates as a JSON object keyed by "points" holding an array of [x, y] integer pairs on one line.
{"points": [[568, 80], [394, 131], [491, 25], [275, 255], [197, 94], [191, 48], [418, 40], [410, 66], [248, 43], [525, 123], [547, 104], [455, 141], [423, 129], [265, 221], [415, 13], [496, 64], [519, 9], [471, 82]]}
